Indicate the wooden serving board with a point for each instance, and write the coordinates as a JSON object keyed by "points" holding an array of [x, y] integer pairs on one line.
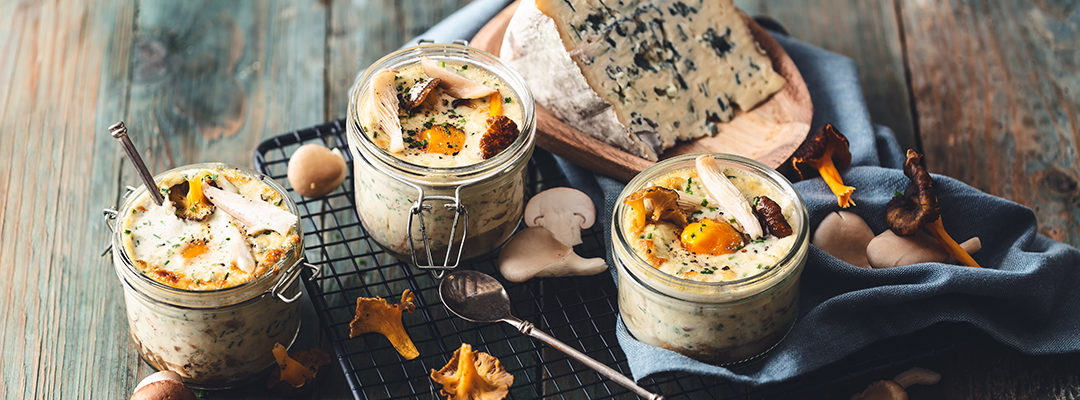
{"points": [[768, 133]]}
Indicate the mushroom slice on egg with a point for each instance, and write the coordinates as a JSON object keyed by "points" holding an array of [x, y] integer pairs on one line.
{"points": [[455, 85], [501, 133], [256, 215], [727, 196], [384, 108]]}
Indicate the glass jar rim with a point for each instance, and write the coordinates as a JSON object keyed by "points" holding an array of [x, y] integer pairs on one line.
{"points": [[449, 51], [266, 279], [639, 268]]}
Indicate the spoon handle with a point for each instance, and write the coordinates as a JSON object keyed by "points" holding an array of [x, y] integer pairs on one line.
{"points": [[119, 132], [528, 328]]}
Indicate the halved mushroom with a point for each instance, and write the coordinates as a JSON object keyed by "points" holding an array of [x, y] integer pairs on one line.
{"points": [[187, 197], [162, 385], [501, 133], [889, 250], [726, 196], [419, 92], [655, 204], [296, 370], [256, 215], [896, 388], [378, 316], [455, 85], [383, 108], [563, 211], [917, 208], [844, 235], [473, 375], [823, 153], [536, 252]]}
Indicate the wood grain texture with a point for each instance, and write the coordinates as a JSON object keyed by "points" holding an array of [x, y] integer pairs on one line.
{"points": [[866, 31], [996, 91]]}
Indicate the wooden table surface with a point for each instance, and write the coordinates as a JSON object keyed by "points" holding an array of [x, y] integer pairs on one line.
{"points": [[990, 90]]}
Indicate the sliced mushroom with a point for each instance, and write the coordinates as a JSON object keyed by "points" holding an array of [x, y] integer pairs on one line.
{"points": [[917, 208], [256, 215], [383, 108], [889, 250], [823, 153], [726, 195], [844, 235], [501, 133], [563, 211], [162, 385], [239, 250], [315, 170], [419, 92], [455, 85], [535, 252], [771, 216]]}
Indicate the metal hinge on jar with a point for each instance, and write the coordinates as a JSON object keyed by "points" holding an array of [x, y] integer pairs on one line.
{"points": [[461, 217], [110, 215]]}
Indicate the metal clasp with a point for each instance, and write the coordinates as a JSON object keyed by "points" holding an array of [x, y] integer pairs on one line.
{"points": [[110, 215], [461, 216], [429, 41], [290, 276]]}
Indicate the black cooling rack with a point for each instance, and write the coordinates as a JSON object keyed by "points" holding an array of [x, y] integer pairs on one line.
{"points": [[580, 311]]}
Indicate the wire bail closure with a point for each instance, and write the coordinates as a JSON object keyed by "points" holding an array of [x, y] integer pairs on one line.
{"points": [[110, 215], [461, 216]]}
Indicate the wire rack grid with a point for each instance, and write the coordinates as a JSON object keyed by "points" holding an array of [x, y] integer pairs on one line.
{"points": [[580, 311]]}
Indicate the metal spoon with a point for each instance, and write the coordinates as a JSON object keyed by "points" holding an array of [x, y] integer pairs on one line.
{"points": [[477, 297], [119, 132]]}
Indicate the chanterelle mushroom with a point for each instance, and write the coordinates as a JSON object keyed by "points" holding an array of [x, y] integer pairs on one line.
{"points": [[918, 208], [726, 195], [535, 252], [376, 315], [654, 204], [296, 370], [473, 375], [563, 211], [162, 385], [187, 197], [825, 151]]}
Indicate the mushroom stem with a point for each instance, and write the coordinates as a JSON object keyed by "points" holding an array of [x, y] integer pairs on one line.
{"points": [[828, 172], [938, 231]]}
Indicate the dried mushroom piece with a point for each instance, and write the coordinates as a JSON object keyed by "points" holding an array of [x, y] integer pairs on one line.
{"points": [[473, 375], [917, 208], [655, 204], [295, 371], [823, 153], [771, 216], [501, 133], [187, 197], [728, 197], [378, 316], [419, 92]]}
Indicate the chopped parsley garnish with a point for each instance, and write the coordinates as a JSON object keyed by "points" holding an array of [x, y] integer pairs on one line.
{"points": [[704, 202], [508, 100]]}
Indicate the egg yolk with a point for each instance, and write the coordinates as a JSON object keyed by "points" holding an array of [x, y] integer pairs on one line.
{"points": [[445, 139], [711, 237]]}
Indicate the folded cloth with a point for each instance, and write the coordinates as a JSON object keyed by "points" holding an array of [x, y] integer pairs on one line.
{"points": [[1027, 295]]}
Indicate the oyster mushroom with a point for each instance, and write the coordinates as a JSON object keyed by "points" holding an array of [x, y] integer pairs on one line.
{"points": [[501, 133], [535, 252], [896, 388], [825, 151], [295, 371], [655, 204], [315, 170], [918, 208], [844, 235], [383, 108], [726, 195], [563, 211], [378, 316], [162, 385], [455, 85], [889, 250], [256, 215], [473, 375], [419, 92]]}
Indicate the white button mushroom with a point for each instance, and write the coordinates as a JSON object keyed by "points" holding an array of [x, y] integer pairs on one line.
{"points": [[315, 170], [162, 385], [535, 252], [563, 211], [844, 235], [889, 250]]}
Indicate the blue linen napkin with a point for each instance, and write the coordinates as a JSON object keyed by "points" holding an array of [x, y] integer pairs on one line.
{"points": [[1027, 296]]}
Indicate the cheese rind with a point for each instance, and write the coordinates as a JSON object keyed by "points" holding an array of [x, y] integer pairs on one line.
{"points": [[667, 70]]}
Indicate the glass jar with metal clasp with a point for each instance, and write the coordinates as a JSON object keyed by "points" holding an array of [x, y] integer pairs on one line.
{"points": [[437, 216]]}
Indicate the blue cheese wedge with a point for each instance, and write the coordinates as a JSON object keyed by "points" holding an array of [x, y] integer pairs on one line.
{"points": [[657, 72]]}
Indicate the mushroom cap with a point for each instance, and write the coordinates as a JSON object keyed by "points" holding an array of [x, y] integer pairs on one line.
{"points": [[882, 390], [906, 213], [816, 145], [560, 198], [844, 235], [162, 385], [315, 170], [889, 250]]}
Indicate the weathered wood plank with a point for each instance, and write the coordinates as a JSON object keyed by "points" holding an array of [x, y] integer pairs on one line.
{"points": [[64, 79], [997, 92], [866, 31]]}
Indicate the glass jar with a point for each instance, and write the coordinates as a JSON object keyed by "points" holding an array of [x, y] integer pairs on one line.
{"points": [[215, 339], [715, 322], [438, 216]]}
